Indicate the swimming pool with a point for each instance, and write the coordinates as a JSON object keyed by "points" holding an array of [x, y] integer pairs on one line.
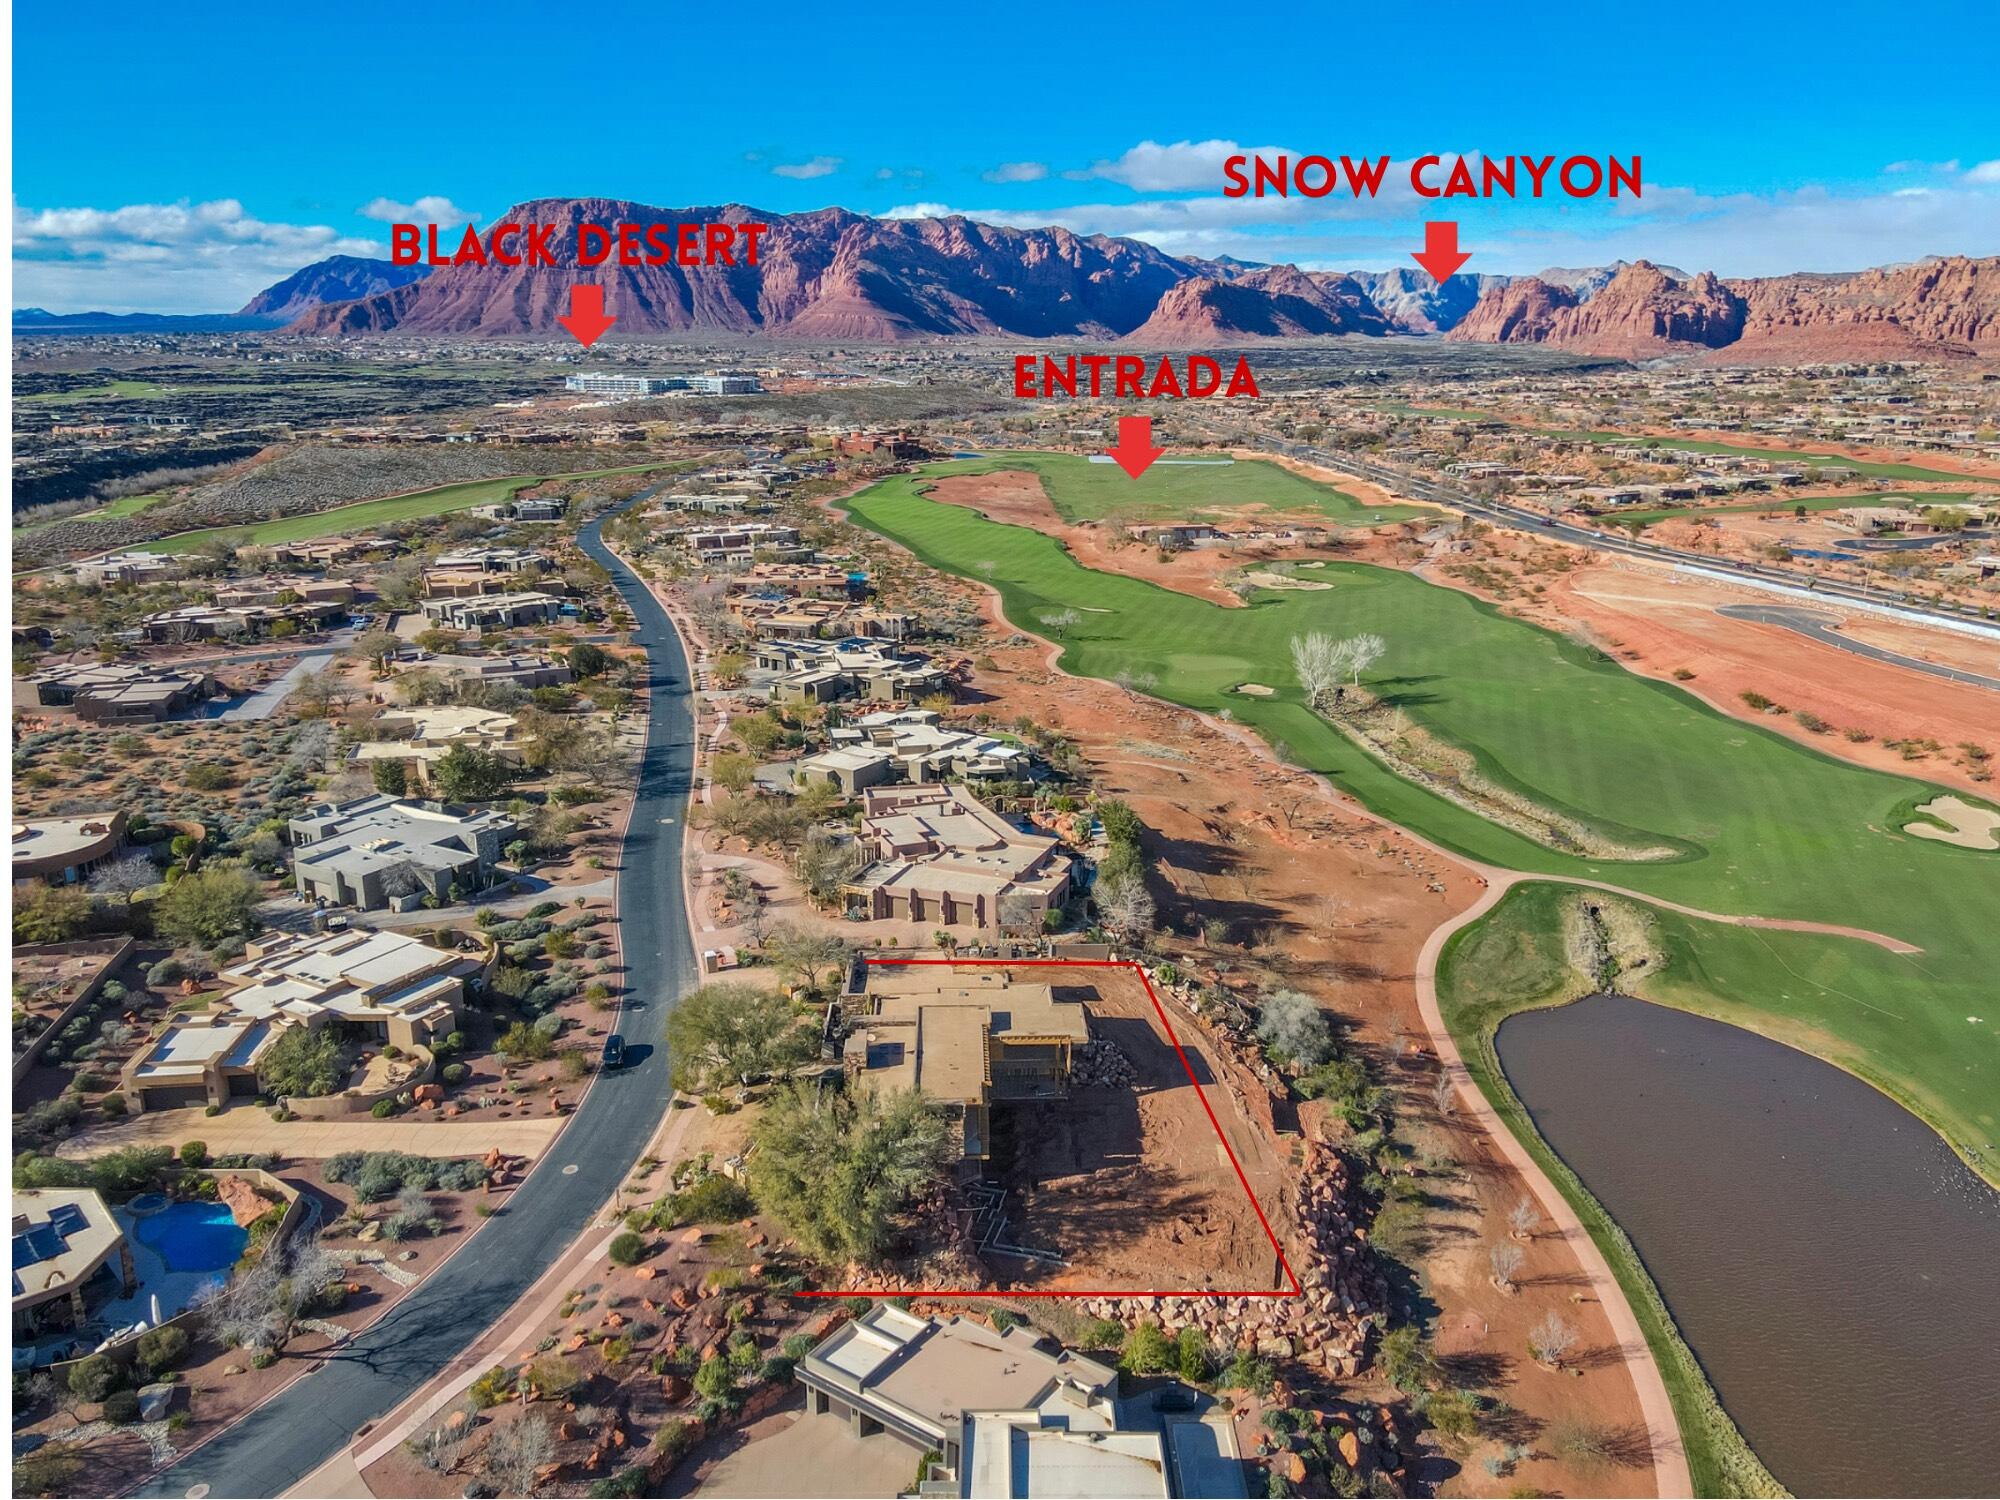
{"points": [[194, 1236]]}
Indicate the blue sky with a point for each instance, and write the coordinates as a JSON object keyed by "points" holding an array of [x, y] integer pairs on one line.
{"points": [[167, 162]]}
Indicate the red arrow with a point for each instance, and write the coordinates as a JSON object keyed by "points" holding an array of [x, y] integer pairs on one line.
{"points": [[586, 321], [1441, 255], [1135, 451]]}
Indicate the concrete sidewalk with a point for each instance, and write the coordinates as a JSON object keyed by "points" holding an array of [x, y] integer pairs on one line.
{"points": [[252, 1131]]}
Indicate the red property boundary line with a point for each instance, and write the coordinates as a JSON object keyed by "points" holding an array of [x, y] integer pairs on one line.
{"points": [[1295, 1290]]}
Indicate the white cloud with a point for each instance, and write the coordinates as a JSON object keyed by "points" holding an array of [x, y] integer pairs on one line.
{"points": [[1185, 166], [1923, 166], [1017, 171], [928, 211], [162, 257], [431, 209], [1986, 171], [819, 166]]}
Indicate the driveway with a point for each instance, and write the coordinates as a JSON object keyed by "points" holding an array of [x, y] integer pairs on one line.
{"points": [[264, 702], [816, 1455], [295, 1432]]}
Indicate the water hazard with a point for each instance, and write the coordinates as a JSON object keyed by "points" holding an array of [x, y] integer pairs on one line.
{"points": [[1835, 1268]]}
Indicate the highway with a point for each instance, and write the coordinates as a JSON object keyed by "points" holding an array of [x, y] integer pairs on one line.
{"points": [[1404, 483], [292, 1434]]}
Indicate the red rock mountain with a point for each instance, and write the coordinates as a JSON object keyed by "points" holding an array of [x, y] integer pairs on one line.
{"points": [[1943, 306], [338, 278], [1640, 311], [1270, 302], [1946, 303], [835, 275], [829, 274]]}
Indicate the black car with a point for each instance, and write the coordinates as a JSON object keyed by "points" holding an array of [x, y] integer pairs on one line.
{"points": [[614, 1051]]}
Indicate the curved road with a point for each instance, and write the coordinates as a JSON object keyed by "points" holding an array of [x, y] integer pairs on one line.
{"points": [[292, 1434], [1817, 625]]}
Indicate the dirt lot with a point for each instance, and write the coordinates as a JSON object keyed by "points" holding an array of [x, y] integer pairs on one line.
{"points": [[1128, 1183]]}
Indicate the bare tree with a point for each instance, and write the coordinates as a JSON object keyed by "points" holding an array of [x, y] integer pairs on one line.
{"points": [[1522, 1219], [1362, 652], [1506, 1260], [516, 1451], [442, 1448], [124, 877], [1444, 1094], [1060, 620], [1317, 661], [1126, 904], [1550, 1340]]}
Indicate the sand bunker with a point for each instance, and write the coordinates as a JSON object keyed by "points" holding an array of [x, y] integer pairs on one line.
{"points": [[1971, 827], [1266, 579], [1254, 690]]}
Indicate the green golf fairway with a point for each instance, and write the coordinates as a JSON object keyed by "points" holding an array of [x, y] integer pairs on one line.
{"points": [[1191, 491], [1765, 827]]}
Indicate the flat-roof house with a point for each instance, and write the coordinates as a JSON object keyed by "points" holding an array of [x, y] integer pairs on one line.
{"points": [[391, 988], [824, 671], [737, 544], [121, 692], [520, 669], [67, 1249], [63, 851], [426, 734], [209, 622], [493, 611], [965, 1041], [889, 1371], [941, 855], [127, 567], [906, 745], [490, 560], [377, 851], [273, 590]]}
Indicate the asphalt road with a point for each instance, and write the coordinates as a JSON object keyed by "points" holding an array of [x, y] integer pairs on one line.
{"points": [[1818, 626], [291, 1435], [1420, 488]]}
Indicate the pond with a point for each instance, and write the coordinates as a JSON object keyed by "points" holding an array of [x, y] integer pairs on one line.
{"points": [[1829, 1260], [194, 1236]]}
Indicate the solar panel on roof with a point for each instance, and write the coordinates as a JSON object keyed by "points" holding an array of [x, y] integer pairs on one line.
{"points": [[38, 1244], [68, 1218]]}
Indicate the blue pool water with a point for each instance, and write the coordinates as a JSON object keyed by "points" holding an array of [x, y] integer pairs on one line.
{"points": [[194, 1236]]}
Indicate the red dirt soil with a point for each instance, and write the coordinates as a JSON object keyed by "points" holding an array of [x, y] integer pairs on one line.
{"points": [[1131, 1185]]}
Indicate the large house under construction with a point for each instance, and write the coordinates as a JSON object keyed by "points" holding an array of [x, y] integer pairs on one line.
{"points": [[964, 1041]]}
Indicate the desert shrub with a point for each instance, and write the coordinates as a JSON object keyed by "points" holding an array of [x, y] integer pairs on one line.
{"points": [[455, 1072], [628, 1249], [714, 1199], [715, 1381], [121, 1408], [95, 1377], [493, 1388], [1147, 1351], [1294, 1028], [1101, 1333]]}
